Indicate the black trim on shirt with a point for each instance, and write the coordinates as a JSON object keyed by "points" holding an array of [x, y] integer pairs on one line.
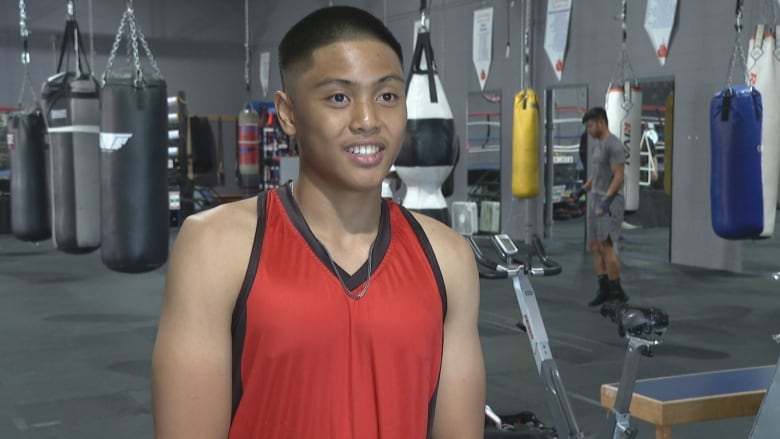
{"points": [[238, 321], [428, 249], [434, 264], [381, 244]]}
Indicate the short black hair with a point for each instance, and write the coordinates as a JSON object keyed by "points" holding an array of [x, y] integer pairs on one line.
{"points": [[327, 26], [595, 113]]}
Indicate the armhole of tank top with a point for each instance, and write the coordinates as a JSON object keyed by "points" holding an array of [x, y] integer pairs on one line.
{"points": [[238, 321], [430, 255]]}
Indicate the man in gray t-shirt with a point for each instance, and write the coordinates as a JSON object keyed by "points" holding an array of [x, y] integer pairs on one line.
{"points": [[605, 204]]}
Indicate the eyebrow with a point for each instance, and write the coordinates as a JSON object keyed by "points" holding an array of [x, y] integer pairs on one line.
{"points": [[348, 83]]}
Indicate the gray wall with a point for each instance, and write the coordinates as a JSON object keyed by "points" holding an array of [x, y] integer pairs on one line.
{"points": [[198, 45], [700, 49]]}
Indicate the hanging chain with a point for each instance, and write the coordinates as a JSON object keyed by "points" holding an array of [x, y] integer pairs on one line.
{"points": [[425, 13], [139, 75], [25, 33], [115, 47], [148, 52], [624, 61], [770, 10], [128, 24], [738, 51]]}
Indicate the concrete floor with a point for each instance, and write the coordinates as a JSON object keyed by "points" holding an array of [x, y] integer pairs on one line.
{"points": [[76, 338]]}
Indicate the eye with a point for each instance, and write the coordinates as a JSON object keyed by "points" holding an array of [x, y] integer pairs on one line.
{"points": [[339, 98], [389, 97]]}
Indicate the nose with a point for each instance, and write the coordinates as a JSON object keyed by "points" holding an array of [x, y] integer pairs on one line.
{"points": [[365, 118]]}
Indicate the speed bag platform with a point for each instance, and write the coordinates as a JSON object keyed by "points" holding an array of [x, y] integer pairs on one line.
{"points": [[133, 172], [29, 184], [735, 181], [71, 110]]}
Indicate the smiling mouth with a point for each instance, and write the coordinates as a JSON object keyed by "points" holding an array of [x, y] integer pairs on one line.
{"points": [[364, 149]]}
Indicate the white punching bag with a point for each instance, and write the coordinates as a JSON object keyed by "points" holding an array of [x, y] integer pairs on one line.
{"points": [[763, 67], [429, 151], [624, 112]]}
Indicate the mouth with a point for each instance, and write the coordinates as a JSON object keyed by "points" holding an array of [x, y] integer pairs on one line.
{"points": [[365, 149]]}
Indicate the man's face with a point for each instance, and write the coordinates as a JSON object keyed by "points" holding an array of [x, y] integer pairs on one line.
{"points": [[348, 113], [595, 127]]}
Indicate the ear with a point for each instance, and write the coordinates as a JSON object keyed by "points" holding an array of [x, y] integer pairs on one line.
{"points": [[284, 111]]}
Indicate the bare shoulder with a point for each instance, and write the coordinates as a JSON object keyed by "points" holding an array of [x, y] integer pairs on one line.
{"points": [[454, 255], [212, 249], [441, 236], [192, 354]]}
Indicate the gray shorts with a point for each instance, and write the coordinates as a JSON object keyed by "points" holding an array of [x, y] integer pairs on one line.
{"points": [[607, 225]]}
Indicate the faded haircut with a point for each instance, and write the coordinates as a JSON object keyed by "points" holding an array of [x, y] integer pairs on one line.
{"points": [[327, 26]]}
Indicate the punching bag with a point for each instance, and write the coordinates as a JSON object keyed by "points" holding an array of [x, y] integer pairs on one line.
{"points": [[624, 112], [249, 150], [134, 171], [735, 186], [763, 66], [134, 159], [525, 145], [668, 142], [428, 153], [29, 185], [71, 110]]}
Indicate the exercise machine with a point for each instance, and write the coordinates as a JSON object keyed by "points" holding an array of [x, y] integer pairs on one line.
{"points": [[643, 328]]}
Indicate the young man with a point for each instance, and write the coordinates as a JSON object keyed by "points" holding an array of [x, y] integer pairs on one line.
{"points": [[605, 205], [320, 310]]}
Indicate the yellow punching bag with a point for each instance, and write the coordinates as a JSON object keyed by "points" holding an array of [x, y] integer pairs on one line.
{"points": [[668, 142], [525, 145]]}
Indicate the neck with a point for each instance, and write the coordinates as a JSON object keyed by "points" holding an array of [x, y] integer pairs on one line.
{"points": [[340, 219]]}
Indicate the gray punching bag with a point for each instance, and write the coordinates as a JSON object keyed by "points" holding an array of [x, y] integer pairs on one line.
{"points": [[429, 151], [71, 110], [29, 186], [134, 166]]}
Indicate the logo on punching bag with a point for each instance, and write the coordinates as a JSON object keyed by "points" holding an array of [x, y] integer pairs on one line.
{"points": [[114, 141], [10, 139], [627, 141]]}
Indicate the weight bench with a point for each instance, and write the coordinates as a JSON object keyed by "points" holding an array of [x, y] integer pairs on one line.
{"points": [[685, 399]]}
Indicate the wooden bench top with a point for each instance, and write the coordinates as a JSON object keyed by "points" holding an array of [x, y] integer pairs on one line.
{"points": [[684, 399]]}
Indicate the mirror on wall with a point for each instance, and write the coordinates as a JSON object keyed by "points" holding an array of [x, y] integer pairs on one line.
{"points": [[648, 229], [483, 157], [565, 106]]}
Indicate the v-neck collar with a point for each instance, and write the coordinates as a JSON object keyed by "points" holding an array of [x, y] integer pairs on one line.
{"points": [[380, 246]]}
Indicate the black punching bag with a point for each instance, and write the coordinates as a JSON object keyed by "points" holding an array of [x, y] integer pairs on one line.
{"points": [[133, 168], [29, 186]]}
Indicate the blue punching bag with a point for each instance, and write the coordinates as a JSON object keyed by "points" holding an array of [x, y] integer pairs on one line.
{"points": [[429, 152], [735, 186]]}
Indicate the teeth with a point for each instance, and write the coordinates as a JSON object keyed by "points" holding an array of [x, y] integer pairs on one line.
{"points": [[363, 149]]}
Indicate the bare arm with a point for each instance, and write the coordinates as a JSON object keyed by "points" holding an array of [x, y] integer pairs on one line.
{"points": [[460, 403], [191, 364], [588, 184], [618, 172]]}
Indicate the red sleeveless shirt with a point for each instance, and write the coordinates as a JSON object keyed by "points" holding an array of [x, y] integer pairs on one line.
{"points": [[311, 362]]}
